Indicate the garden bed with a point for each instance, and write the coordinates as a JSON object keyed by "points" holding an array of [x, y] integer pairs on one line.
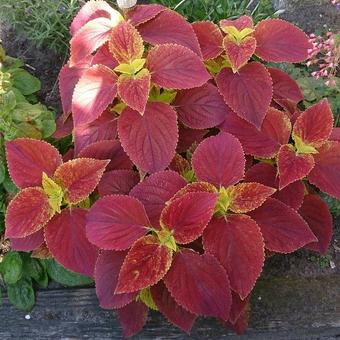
{"points": [[296, 298]]}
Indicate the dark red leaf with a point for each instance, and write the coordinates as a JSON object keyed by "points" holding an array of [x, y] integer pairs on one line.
{"points": [[176, 67], [142, 13], [248, 92], [104, 57], [115, 222], [280, 41], [209, 37], [27, 159], [107, 149], [219, 160], [170, 27], [146, 263], [335, 135], [283, 229], [284, 86], [149, 140], [28, 243], [154, 191], [275, 130], [170, 309], [93, 93], [132, 317], [240, 23], [315, 212], [326, 173], [66, 239], [117, 182], [106, 276], [188, 138], [188, 215], [199, 284], [237, 243], [27, 213], [63, 128], [200, 108], [103, 128]]}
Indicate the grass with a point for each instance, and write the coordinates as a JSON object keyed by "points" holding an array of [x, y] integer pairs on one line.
{"points": [[216, 10], [45, 22]]}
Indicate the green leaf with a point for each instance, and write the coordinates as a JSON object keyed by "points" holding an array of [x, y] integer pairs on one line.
{"points": [[65, 277], [36, 269], [25, 82], [12, 267], [10, 186], [2, 172], [21, 294]]}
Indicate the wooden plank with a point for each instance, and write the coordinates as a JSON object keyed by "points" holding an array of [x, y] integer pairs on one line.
{"points": [[292, 308]]}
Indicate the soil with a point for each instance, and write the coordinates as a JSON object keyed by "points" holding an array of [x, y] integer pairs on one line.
{"points": [[42, 63], [310, 15]]}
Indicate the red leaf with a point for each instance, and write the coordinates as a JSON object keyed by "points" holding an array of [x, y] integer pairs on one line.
{"points": [[142, 13], [199, 284], [28, 243], [248, 196], [170, 309], [275, 130], [239, 53], [292, 166], [107, 149], [63, 128], [200, 108], [209, 37], [103, 128], [170, 27], [149, 140], [280, 41], [66, 239], [90, 37], [154, 191], [292, 195], [145, 264], [314, 126], [117, 182], [326, 173], [132, 317], [176, 67], [27, 159], [187, 138], [283, 229], [284, 86], [125, 43], [238, 307], [116, 222], [315, 212], [237, 243], [248, 92], [104, 57], [106, 276], [68, 78], [95, 90], [335, 135], [187, 220], [79, 177], [219, 160], [240, 23], [91, 10], [134, 90]]}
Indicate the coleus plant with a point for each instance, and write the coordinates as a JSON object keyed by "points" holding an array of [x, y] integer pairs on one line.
{"points": [[195, 135]]}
